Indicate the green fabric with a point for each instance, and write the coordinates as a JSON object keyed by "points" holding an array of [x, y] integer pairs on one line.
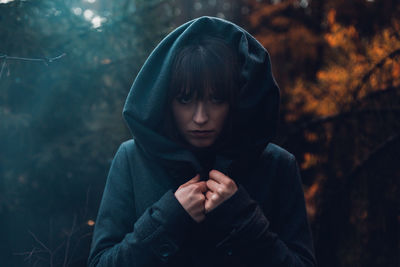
{"points": [[141, 223], [255, 119]]}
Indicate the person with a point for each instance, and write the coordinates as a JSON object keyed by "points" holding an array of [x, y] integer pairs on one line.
{"points": [[201, 183]]}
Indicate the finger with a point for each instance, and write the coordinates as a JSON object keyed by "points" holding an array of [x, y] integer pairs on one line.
{"points": [[219, 177], [192, 181], [202, 186], [210, 204], [211, 196], [213, 185]]}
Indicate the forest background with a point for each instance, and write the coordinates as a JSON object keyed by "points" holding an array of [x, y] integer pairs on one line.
{"points": [[66, 67]]}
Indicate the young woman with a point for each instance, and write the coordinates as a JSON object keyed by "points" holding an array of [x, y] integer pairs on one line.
{"points": [[200, 183]]}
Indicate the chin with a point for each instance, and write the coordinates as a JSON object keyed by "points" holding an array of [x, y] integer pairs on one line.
{"points": [[201, 143]]}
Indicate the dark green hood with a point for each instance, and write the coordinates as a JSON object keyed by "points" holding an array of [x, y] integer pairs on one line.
{"points": [[254, 121]]}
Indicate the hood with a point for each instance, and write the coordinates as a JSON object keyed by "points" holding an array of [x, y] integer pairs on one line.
{"points": [[256, 117]]}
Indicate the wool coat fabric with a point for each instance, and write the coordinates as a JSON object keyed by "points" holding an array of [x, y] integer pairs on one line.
{"points": [[141, 223]]}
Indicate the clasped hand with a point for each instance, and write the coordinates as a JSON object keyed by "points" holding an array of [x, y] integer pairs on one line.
{"points": [[200, 197]]}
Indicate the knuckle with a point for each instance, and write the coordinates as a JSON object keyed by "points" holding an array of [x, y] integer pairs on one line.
{"points": [[199, 184], [220, 190], [201, 197]]}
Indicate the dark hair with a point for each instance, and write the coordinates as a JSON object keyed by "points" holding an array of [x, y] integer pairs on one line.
{"points": [[207, 63]]}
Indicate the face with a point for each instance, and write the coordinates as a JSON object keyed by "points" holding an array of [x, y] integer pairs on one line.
{"points": [[200, 121]]}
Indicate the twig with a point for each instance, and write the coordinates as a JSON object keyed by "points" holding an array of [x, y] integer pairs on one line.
{"points": [[86, 202], [325, 119], [2, 67], [42, 259], [40, 242], [45, 60], [388, 143], [372, 95], [346, 114], [45, 247], [33, 253], [372, 70], [77, 243], [29, 253], [68, 242], [60, 246]]}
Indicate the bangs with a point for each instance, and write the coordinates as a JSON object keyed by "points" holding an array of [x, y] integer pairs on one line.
{"points": [[204, 69]]}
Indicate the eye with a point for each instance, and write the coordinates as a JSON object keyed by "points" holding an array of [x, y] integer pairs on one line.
{"points": [[217, 100], [184, 98]]}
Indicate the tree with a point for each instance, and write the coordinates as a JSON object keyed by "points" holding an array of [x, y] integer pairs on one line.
{"points": [[341, 104], [61, 122]]}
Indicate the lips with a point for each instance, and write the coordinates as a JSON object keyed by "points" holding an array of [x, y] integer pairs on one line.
{"points": [[201, 134]]}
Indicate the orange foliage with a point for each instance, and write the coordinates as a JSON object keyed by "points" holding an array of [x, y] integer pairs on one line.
{"points": [[349, 59], [309, 161], [290, 42], [309, 196]]}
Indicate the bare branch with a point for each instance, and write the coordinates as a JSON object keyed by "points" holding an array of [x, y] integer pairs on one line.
{"points": [[44, 60], [373, 95], [41, 258], [372, 70], [342, 115], [376, 153], [29, 254], [60, 246], [77, 243], [346, 114], [71, 232], [40, 242]]}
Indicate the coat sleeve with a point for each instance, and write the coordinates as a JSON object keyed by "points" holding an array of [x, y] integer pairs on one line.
{"points": [[249, 238], [122, 239]]}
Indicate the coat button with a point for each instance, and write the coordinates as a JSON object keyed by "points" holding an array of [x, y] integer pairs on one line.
{"points": [[229, 252], [165, 250]]}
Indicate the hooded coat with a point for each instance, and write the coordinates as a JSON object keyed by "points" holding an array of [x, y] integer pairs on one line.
{"points": [[141, 223]]}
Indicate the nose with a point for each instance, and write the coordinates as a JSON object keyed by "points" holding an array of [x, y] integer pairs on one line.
{"points": [[200, 115]]}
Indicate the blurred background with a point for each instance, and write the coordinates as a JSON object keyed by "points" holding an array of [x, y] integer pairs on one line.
{"points": [[66, 67]]}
